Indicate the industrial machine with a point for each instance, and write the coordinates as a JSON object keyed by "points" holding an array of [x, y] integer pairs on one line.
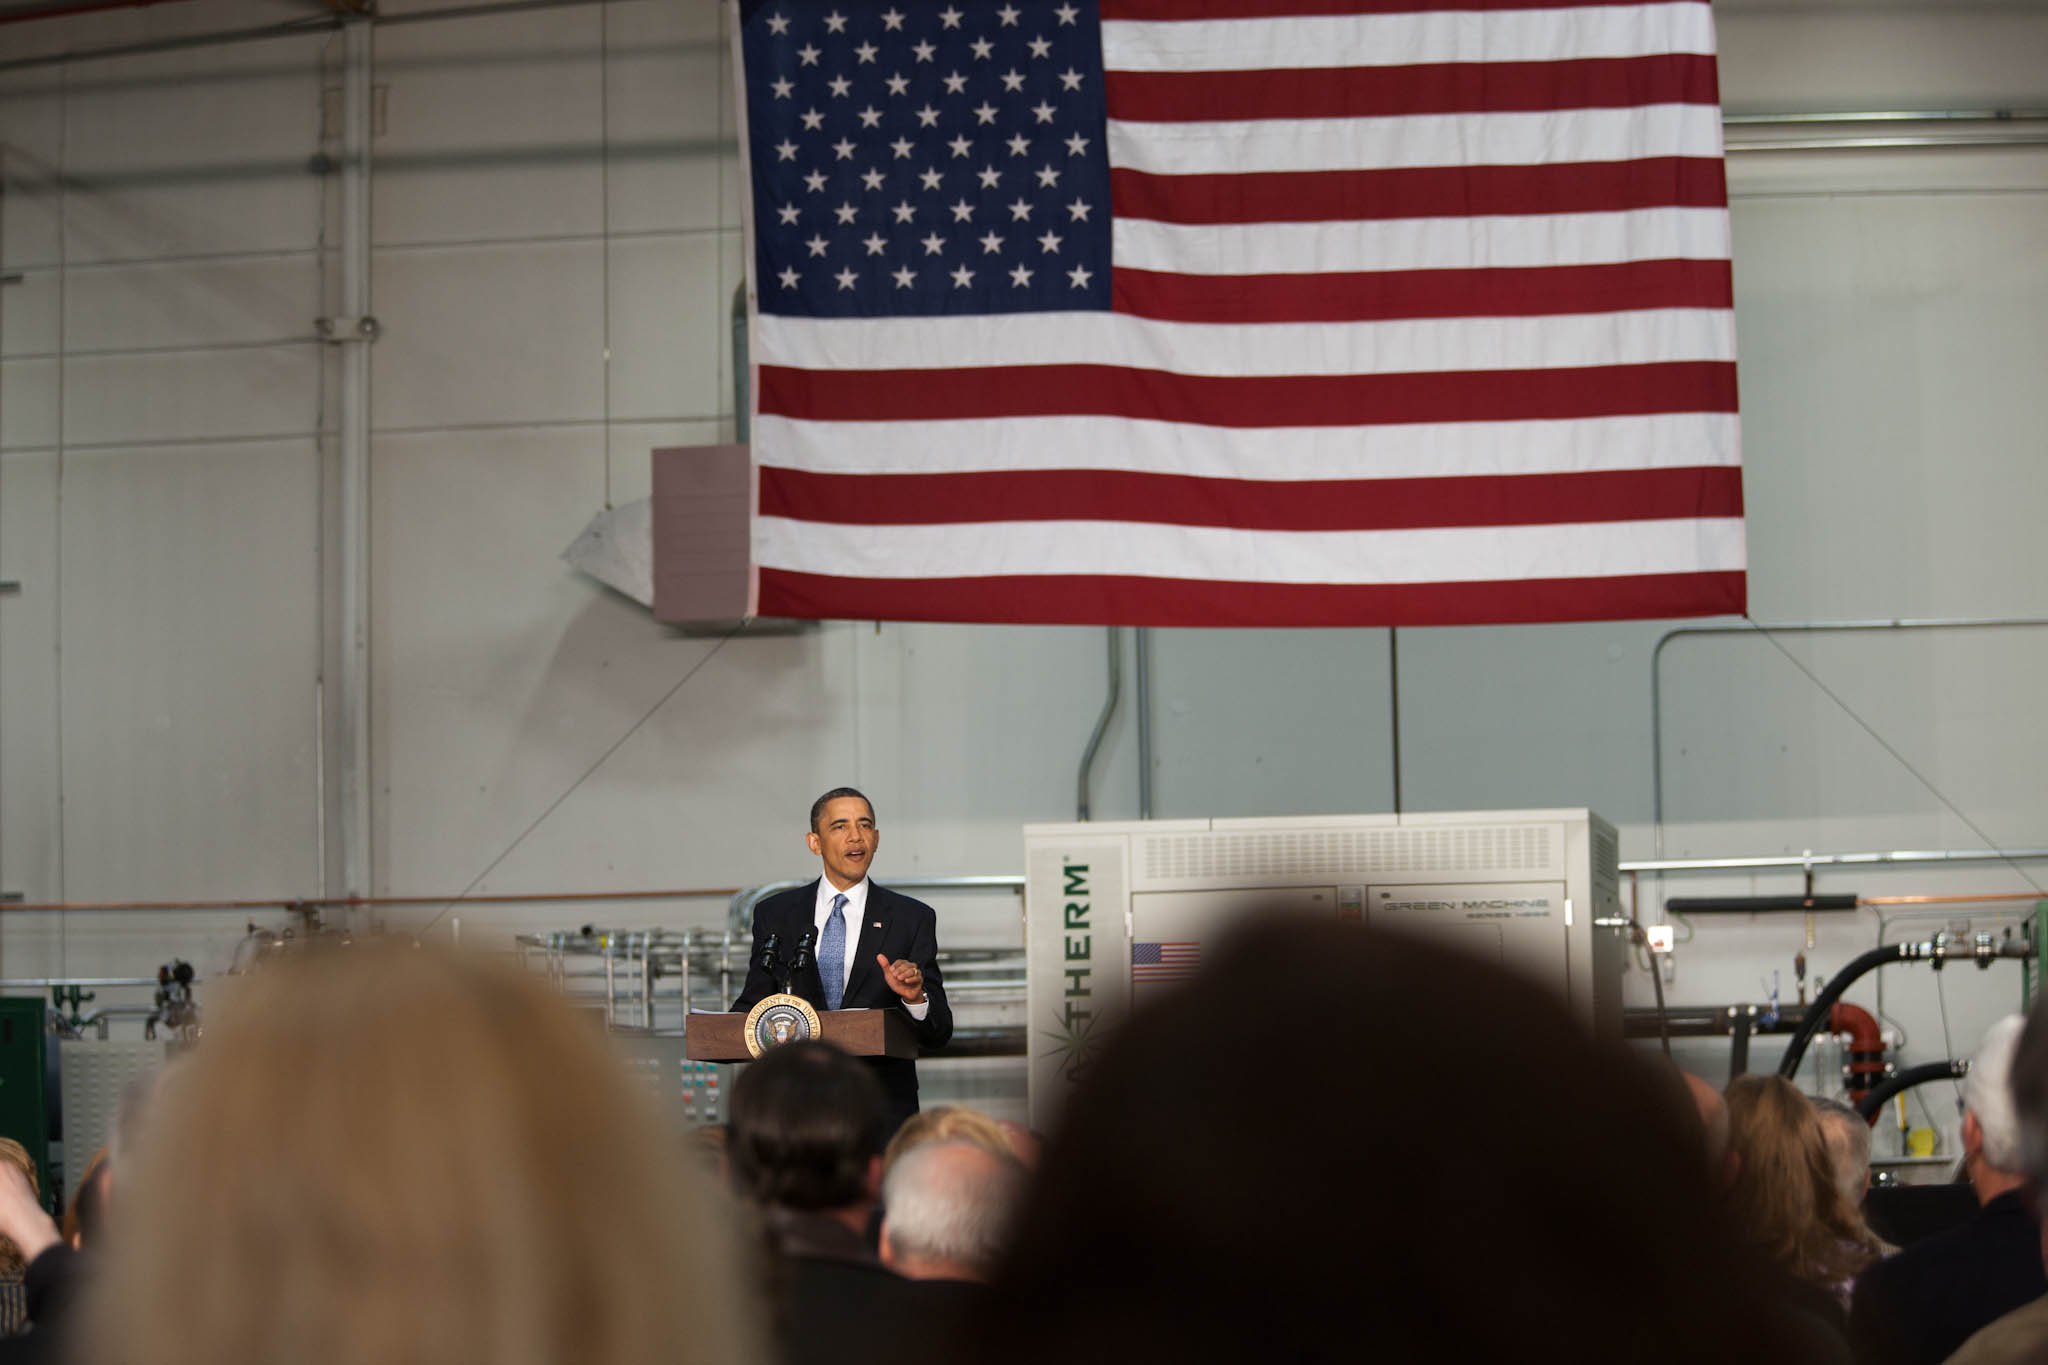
{"points": [[1116, 911]]}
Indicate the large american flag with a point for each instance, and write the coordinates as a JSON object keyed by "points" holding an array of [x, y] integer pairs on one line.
{"points": [[1240, 312]]}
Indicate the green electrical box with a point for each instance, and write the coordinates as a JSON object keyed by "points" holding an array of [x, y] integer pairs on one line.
{"points": [[25, 1084]]}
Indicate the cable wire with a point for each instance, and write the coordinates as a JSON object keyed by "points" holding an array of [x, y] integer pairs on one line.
{"points": [[584, 776]]}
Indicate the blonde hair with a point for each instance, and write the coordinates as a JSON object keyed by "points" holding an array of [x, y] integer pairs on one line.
{"points": [[392, 1156], [946, 1123], [1785, 1199], [12, 1263]]}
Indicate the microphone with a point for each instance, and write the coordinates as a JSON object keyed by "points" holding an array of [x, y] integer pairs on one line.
{"points": [[769, 953], [804, 957]]}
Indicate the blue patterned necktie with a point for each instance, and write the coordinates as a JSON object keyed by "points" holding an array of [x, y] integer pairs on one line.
{"points": [[832, 954]]}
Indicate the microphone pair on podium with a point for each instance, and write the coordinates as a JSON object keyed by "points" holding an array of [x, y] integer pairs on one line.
{"points": [[803, 957]]}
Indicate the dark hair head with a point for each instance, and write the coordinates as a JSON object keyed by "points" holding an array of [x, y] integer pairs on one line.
{"points": [[1329, 1137], [818, 806], [806, 1122]]}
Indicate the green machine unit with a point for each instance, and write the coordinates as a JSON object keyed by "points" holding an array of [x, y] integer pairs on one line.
{"points": [[25, 1083]]}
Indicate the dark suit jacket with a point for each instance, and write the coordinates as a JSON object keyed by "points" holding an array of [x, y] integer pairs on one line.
{"points": [[894, 926], [1923, 1303]]}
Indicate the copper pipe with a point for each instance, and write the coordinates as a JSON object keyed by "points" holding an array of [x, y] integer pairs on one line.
{"points": [[324, 902], [1946, 900]]}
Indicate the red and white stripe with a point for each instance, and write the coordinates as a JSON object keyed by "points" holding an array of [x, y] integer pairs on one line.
{"points": [[1442, 336]]}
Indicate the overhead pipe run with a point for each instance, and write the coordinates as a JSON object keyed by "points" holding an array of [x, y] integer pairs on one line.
{"points": [[1874, 1102], [1982, 949]]}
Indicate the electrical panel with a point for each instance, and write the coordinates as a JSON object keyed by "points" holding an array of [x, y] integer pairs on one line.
{"points": [[1116, 912]]}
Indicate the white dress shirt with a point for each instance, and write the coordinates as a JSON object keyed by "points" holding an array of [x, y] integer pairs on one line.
{"points": [[854, 910]]}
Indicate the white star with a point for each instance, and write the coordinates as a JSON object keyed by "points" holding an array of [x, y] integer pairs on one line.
{"points": [[844, 213], [872, 178], [836, 22], [1018, 145], [904, 276], [991, 243], [924, 51], [1066, 13], [961, 146], [839, 85], [1077, 145], [981, 47], [1020, 212], [1071, 79], [901, 147], [963, 212], [812, 120], [1008, 14], [785, 150], [846, 278], [955, 83], [843, 150], [865, 53], [817, 245], [788, 214], [808, 55], [892, 19], [1042, 111], [931, 177], [1013, 79], [904, 211], [789, 277], [778, 23], [782, 89], [962, 277], [875, 243], [898, 84], [1050, 242], [1041, 47], [1079, 210], [934, 244], [1048, 177], [871, 117], [1080, 275], [989, 176], [949, 17], [985, 112], [927, 117], [815, 182], [1021, 276]]}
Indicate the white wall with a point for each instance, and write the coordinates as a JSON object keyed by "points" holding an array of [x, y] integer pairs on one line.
{"points": [[556, 226]]}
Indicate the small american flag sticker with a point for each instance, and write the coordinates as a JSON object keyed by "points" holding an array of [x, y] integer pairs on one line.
{"points": [[1164, 961]]}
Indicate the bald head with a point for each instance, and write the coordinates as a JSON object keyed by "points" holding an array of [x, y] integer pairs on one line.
{"points": [[948, 1210]]}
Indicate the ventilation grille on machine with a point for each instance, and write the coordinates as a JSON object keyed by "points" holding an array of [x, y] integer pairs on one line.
{"points": [[1286, 854], [1606, 874]]}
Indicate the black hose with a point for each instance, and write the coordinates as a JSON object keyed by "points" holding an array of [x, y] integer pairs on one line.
{"points": [[1817, 1012], [1906, 1080]]}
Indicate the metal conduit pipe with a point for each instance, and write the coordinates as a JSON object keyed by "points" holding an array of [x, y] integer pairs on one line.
{"points": [[1983, 950], [1116, 679], [1880, 1094]]}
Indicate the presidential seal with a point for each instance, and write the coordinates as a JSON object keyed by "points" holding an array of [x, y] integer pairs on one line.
{"points": [[780, 1019]]}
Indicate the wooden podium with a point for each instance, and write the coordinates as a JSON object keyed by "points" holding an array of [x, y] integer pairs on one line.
{"points": [[864, 1033]]}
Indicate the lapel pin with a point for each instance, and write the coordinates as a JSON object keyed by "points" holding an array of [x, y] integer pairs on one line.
{"points": [[878, 924]]}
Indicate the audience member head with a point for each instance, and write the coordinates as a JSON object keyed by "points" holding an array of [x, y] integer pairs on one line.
{"points": [[945, 1123], [12, 1153], [1713, 1112], [1993, 1151], [1848, 1135], [805, 1131], [385, 1155], [1351, 1200], [948, 1207], [1784, 1198]]}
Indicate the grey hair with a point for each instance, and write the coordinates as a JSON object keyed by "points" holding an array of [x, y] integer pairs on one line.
{"points": [[1854, 1144], [952, 1202], [1987, 1093]]}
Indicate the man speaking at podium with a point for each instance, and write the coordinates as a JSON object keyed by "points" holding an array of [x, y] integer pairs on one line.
{"points": [[873, 949]]}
